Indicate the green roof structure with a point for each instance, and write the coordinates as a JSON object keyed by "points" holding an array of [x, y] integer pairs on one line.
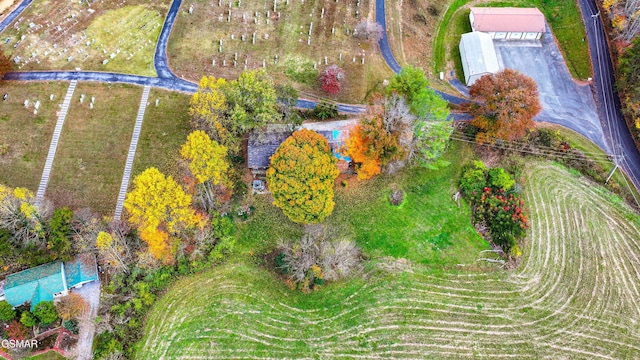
{"points": [[44, 282]]}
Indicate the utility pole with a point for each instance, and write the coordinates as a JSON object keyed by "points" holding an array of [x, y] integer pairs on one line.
{"points": [[612, 171]]}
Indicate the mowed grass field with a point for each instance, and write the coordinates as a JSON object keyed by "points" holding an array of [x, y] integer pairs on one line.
{"points": [[198, 38], [575, 295], [92, 151], [25, 136], [91, 35]]}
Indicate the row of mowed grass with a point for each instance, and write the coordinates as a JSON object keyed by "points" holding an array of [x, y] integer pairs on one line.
{"points": [[25, 136], [564, 18], [92, 151], [429, 227], [573, 293]]}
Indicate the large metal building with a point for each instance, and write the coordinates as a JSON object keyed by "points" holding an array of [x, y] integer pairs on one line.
{"points": [[508, 23], [478, 56]]}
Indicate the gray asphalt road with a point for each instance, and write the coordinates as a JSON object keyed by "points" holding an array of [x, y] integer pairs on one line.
{"points": [[564, 101], [608, 103]]}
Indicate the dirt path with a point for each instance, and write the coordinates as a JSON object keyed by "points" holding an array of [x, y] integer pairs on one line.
{"points": [[87, 326]]}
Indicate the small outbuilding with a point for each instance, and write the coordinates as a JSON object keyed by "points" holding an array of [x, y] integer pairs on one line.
{"points": [[508, 22], [478, 56]]}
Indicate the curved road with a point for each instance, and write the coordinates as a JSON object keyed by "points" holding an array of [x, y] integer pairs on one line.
{"points": [[611, 118]]}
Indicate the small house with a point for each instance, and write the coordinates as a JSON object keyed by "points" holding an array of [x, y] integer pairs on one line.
{"points": [[478, 56], [49, 281], [508, 23]]}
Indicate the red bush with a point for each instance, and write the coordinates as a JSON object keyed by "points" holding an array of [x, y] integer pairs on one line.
{"points": [[330, 79]]}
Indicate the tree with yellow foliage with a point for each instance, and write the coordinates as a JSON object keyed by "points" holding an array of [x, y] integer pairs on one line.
{"points": [[209, 111], [21, 216], [161, 210], [358, 149], [208, 164], [301, 177]]}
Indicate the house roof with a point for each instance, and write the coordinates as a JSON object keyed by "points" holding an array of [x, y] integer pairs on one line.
{"points": [[507, 19], [478, 54], [40, 283], [261, 146], [34, 285]]}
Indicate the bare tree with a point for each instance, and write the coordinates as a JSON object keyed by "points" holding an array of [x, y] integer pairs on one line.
{"points": [[368, 30]]}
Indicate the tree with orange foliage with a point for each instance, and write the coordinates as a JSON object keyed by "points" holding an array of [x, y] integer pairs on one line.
{"points": [[504, 105], [358, 149], [5, 64]]}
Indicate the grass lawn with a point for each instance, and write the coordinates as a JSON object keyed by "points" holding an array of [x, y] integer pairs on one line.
{"points": [[92, 35], [164, 130], [25, 137], [93, 147], [427, 228], [196, 39], [574, 293], [564, 17], [49, 355]]}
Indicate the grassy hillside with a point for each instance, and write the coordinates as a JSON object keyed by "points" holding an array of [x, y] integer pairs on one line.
{"points": [[575, 295]]}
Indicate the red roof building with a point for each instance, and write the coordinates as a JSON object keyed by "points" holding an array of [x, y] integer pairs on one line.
{"points": [[508, 23]]}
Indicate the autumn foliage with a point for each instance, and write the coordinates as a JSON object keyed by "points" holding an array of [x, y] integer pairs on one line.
{"points": [[330, 79], [504, 105], [161, 210], [301, 177], [5, 64], [358, 148]]}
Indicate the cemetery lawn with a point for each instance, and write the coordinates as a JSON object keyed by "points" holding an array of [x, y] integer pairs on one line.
{"points": [[63, 35], [574, 294], [427, 228], [25, 137], [195, 43], [90, 160], [49, 355], [164, 130]]}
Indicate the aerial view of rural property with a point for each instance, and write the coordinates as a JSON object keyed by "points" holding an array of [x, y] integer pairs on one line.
{"points": [[319, 179]]}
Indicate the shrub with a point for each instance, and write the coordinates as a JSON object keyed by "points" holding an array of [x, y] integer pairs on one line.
{"points": [[325, 110], [331, 78], [46, 312], [71, 325], [17, 331], [6, 311], [71, 306], [28, 319], [500, 179], [473, 180]]}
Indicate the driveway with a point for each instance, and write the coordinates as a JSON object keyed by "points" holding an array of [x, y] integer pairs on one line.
{"points": [[87, 325], [564, 101]]}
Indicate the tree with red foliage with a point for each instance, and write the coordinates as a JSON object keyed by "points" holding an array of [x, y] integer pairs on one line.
{"points": [[504, 105], [17, 331], [330, 79]]}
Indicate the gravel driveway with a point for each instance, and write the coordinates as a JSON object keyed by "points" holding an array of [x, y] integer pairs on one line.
{"points": [[564, 101], [87, 326]]}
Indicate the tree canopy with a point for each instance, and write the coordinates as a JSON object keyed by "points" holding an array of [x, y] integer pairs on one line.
{"points": [[504, 105], [301, 177], [161, 210]]}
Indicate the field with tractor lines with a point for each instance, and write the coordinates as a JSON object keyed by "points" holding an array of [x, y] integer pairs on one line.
{"points": [[575, 295]]}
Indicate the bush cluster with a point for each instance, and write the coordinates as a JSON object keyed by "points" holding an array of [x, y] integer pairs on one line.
{"points": [[495, 203]]}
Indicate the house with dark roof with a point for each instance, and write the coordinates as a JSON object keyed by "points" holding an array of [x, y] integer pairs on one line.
{"points": [[49, 281], [508, 23], [262, 145]]}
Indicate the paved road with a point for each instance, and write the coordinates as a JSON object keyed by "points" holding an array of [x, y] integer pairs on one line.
{"points": [[14, 14], [608, 103]]}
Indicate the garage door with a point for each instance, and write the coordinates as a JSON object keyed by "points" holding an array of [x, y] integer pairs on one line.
{"points": [[530, 36], [500, 35], [515, 35]]}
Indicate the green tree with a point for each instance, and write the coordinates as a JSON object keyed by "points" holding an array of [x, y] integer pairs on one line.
{"points": [[324, 110], [208, 164], [301, 177], [252, 101], [28, 319], [60, 232], [409, 82], [46, 312], [6, 311]]}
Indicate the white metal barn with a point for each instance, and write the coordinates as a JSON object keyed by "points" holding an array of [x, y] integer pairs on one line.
{"points": [[478, 56], [508, 23]]}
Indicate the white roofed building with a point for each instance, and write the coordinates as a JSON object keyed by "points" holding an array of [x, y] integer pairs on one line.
{"points": [[478, 56]]}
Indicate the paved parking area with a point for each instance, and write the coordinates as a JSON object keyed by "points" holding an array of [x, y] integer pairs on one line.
{"points": [[564, 101]]}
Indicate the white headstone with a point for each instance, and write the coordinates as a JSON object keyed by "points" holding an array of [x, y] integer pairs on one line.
{"points": [[190, 9], [157, 102], [26, 103], [90, 105], [93, 99], [37, 105], [51, 97]]}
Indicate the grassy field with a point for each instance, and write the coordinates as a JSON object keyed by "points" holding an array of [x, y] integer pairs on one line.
{"points": [[193, 48], [49, 355], [100, 35], [564, 17], [164, 130], [427, 228], [575, 295], [25, 137], [93, 147]]}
